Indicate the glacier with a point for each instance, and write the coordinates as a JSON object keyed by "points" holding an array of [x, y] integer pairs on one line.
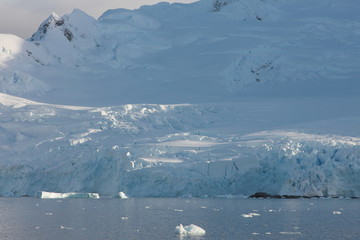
{"points": [[216, 97]]}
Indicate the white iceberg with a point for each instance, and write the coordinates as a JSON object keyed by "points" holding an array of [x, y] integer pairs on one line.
{"points": [[189, 230], [122, 195], [55, 195]]}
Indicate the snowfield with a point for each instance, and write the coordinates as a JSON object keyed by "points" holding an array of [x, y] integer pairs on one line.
{"points": [[204, 99]]}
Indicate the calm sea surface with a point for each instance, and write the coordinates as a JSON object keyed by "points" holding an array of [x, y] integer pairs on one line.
{"points": [[156, 218]]}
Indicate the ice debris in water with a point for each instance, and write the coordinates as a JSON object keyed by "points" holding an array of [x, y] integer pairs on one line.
{"points": [[250, 215], [67, 228], [189, 230], [290, 233], [122, 195]]}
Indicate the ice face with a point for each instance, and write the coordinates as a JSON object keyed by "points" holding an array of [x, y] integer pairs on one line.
{"points": [[194, 150]]}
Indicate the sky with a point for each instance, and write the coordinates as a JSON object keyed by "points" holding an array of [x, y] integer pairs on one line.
{"points": [[23, 17]]}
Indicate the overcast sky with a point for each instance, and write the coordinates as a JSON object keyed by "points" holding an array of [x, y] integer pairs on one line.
{"points": [[23, 17]]}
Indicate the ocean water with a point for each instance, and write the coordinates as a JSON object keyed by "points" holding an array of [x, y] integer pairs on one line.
{"points": [[156, 218]]}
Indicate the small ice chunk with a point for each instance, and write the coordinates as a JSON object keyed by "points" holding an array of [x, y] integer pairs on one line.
{"points": [[66, 228], [290, 233], [192, 230], [250, 215], [254, 214], [122, 195]]}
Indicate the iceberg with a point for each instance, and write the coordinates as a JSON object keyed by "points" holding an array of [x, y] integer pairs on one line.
{"points": [[192, 230], [55, 195], [122, 195]]}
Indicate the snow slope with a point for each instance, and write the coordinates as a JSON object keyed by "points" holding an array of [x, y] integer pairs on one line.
{"points": [[203, 99]]}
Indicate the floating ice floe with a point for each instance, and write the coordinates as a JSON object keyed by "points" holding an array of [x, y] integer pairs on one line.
{"points": [[122, 195], [55, 195], [290, 233], [67, 228], [250, 215], [189, 230]]}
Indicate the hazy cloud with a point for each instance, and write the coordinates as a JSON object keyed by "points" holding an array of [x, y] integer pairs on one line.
{"points": [[22, 17]]}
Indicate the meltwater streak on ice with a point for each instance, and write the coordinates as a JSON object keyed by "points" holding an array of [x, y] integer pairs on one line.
{"points": [[155, 218], [270, 88]]}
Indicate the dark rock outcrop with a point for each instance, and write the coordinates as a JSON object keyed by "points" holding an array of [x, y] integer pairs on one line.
{"points": [[276, 196]]}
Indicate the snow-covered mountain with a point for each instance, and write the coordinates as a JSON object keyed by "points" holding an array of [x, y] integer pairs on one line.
{"points": [[210, 98]]}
